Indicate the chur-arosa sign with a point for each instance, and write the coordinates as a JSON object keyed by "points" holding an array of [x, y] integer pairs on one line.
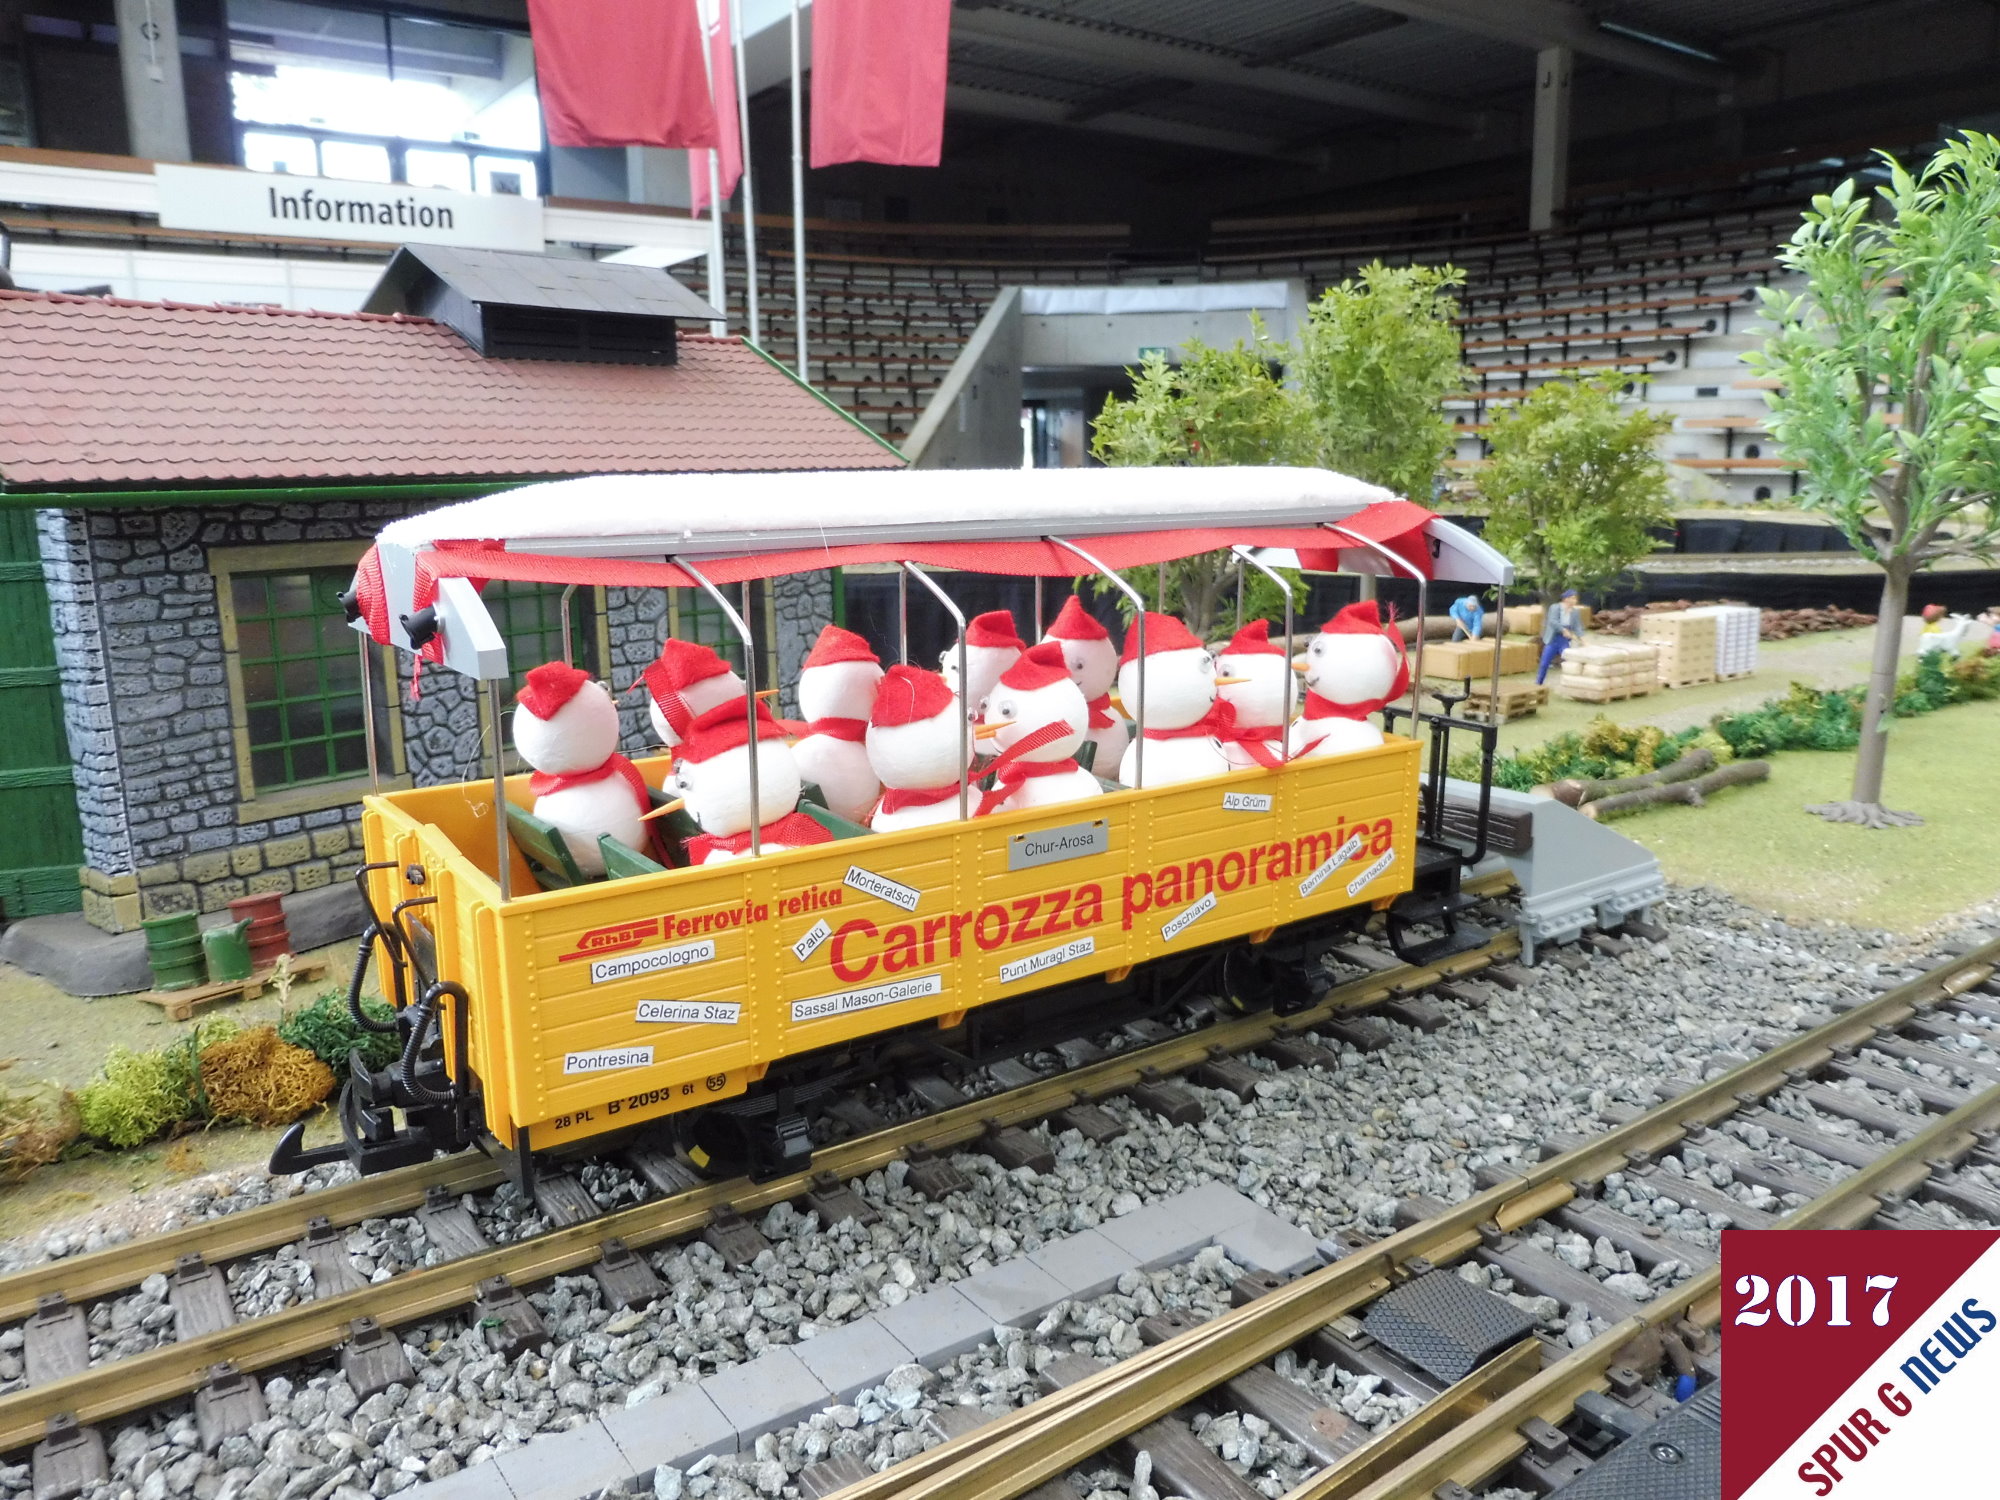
{"points": [[328, 208]]}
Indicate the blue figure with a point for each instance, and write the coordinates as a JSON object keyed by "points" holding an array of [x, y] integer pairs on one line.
{"points": [[1468, 620], [1562, 627]]}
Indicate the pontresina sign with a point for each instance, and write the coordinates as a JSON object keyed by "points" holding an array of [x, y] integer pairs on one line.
{"points": [[264, 203]]}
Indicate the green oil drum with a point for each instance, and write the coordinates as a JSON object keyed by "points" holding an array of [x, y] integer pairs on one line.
{"points": [[174, 950], [227, 949]]}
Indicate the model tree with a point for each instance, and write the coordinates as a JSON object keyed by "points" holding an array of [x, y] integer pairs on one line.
{"points": [[1218, 406], [1888, 393], [1575, 485], [1373, 365]]}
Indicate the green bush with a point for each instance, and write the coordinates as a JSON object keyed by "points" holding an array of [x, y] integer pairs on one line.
{"points": [[134, 1097], [325, 1029]]}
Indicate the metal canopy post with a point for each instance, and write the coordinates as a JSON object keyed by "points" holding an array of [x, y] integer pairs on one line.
{"points": [[505, 868], [1423, 598], [1245, 555], [569, 653], [749, 692], [368, 710], [1039, 627], [1138, 711], [911, 570], [903, 620]]}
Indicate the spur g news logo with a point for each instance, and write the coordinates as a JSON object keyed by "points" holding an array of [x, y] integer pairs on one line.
{"points": [[1859, 1364]]}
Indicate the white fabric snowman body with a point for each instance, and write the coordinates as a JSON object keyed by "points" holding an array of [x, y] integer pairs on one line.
{"points": [[1093, 666], [1353, 667], [683, 684], [1176, 710], [565, 727], [712, 776], [837, 687], [914, 747], [1254, 673], [1037, 717]]}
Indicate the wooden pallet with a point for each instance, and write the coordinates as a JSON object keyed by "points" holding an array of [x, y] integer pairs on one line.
{"points": [[1604, 689], [1700, 680], [1733, 676], [1517, 701], [180, 1005]]}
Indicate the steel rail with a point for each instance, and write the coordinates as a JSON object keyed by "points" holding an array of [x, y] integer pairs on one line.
{"points": [[1014, 1453], [103, 1273], [136, 1382], [1488, 1441]]}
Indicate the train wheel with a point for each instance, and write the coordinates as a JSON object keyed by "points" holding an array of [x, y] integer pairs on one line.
{"points": [[1248, 984]]}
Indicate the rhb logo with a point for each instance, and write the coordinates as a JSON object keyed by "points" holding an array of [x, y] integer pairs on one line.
{"points": [[602, 940]]}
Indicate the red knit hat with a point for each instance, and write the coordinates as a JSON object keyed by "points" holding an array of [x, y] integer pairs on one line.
{"points": [[909, 695], [1163, 633], [680, 666], [724, 728], [994, 629], [1038, 667], [1362, 617], [1075, 623], [549, 687], [837, 645], [1253, 639]]}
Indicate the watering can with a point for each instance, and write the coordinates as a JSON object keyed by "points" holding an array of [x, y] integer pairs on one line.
{"points": [[227, 950]]}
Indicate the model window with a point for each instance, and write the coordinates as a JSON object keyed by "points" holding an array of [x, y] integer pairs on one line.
{"points": [[693, 616], [301, 678], [529, 616], [328, 91]]}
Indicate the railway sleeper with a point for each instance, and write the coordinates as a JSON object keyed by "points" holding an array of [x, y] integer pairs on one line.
{"points": [[834, 1201], [1170, 1099], [625, 1279], [1181, 1464], [1094, 1123], [733, 1237], [1325, 1432], [68, 1460], [506, 1318], [1014, 1148], [199, 1294], [228, 1405], [1550, 1460], [373, 1359], [563, 1199], [932, 1175], [324, 1249], [55, 1340]]}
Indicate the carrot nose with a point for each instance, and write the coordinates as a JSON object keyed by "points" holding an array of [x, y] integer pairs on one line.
{"points": [[986, 731], [663, 809], [1229, 681], [768, 692], [1299, 664]]}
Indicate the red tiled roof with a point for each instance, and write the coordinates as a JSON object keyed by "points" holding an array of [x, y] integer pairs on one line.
{"points": [[102, 392]]}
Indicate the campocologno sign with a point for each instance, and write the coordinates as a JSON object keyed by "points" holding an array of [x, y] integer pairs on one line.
{"points": [[265, 203]]}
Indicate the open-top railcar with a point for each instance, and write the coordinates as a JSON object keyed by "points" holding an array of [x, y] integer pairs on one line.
{"points": [[739, 997]]}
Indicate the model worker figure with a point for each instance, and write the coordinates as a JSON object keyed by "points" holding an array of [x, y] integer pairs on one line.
{"points": [[1562, 627], [1468, 620]]}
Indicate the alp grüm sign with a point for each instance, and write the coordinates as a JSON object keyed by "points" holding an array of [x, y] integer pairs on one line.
{"points": [[264, 203]]}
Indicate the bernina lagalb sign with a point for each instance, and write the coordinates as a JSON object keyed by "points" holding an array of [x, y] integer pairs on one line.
{"points": [[329, 208]]}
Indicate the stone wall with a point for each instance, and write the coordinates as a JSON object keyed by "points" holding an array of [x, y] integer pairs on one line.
{"points": [[148, 715]]}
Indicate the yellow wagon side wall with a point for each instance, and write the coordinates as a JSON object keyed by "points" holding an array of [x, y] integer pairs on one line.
{"points": [[614, 1002]]}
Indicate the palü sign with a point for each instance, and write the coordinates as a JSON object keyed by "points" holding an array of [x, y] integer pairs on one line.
{"points": [[266, 203]]}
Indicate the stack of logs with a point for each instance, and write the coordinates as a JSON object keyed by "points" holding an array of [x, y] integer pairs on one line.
{"points": [[1688, 780], [1777, 624]]}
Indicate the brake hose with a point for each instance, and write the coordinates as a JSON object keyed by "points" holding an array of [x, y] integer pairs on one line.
{"points": [[420, 1026]]}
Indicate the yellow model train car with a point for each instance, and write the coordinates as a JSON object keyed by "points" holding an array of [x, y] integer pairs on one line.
{"points": [[735, 996]]}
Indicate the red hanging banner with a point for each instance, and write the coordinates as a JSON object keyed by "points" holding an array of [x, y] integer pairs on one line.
{"points": [[722, 71], [878, 81], [621, 73]]}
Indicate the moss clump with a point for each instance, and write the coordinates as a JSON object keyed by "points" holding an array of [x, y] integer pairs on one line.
{"points": [[37, 1124], [134, 1097], [326, 1030], [261, 1078]]}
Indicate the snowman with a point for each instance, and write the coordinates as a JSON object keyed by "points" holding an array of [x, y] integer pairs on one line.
{"points": [[566, 728], [1253, 676], [836, 693], [686, 682], [913, 746], [1353, 667], [1176, 710], [1037, 716], [1093, 666], [711, 778], [992, 645]]}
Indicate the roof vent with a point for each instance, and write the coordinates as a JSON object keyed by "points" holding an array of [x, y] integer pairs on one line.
{"points": [[509, 305]]}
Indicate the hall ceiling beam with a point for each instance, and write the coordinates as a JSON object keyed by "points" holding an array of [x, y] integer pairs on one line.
{"points": [[997, 104], [1052, 37], [1536, 24]]}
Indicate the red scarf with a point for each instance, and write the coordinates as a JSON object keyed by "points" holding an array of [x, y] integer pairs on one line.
{"points": [[1325, 708], [1010, 770], [1219, 723], [1100, 713], [896, 798], [544, 782], [792, 830], [853, 731]]}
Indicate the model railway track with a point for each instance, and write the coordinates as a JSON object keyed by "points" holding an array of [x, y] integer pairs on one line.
{"points": [[57, 1415], [1504, 1417]]}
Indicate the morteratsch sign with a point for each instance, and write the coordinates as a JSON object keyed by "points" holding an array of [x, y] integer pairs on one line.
{"points": [[328, 208]]}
